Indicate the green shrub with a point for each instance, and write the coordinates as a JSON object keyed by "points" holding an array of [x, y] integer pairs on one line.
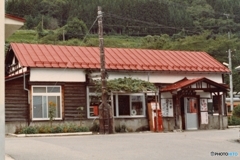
{"points": [[234, 120], [44, 129], [236, 111], [50, 129], [95, 127], [57, 129], [18, 129], [29, 130], [121, 129]]}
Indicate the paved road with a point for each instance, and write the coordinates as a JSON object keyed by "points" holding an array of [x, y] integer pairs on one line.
{"points": [[190, 145]]}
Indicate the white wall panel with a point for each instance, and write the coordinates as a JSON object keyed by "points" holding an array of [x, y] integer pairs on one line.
{"points": [[57, 75], [164, 77]]}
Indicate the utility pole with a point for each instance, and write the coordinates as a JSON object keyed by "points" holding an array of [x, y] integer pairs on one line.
{"points": [[105, 110], [42, 22], [63, 35], [230, 68]]}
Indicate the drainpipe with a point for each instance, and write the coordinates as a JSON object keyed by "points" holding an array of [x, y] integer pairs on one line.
{"points": [[24, 87]]}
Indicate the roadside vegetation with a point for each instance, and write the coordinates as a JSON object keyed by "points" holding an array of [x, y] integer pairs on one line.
{"points": [[38, 129], [235, 119]]}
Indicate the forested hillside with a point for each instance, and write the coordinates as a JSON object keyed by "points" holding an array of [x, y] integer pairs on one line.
{"points": [[201, 25], [133, 17]]}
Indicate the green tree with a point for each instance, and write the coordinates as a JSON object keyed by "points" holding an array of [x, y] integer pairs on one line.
{"points": [[75, 28]]}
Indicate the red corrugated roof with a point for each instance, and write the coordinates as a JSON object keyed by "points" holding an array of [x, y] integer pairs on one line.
{"points": [[56, 56], [187, 82], [14, 17]]}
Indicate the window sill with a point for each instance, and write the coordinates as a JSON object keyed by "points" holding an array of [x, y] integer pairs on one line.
{"points": [[57, 119], [130, 117]]}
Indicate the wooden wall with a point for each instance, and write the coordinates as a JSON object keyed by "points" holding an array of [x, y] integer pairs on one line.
{"points": [[74, 97], [16, 101]]}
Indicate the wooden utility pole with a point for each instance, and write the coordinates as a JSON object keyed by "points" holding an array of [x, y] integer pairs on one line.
{"points": [[105, 110], [230, 68]]}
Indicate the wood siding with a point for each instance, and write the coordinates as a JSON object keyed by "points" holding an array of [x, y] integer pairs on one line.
{"points": [[74, 97], [16, 101]]}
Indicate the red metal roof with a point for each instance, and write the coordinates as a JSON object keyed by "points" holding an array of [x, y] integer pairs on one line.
{"points": [[56, 56], [187, 82], [14, 17]]}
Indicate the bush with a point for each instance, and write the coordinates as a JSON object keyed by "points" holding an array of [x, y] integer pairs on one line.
{"points": [[236, 111], [50, 129], [95, 127], [57, 129], [234, 120], [29, 130], [18, 129], [122, 129], [44, 129]]}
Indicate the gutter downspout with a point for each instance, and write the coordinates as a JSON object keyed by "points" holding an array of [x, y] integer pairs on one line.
{"points": [[24, 87]]}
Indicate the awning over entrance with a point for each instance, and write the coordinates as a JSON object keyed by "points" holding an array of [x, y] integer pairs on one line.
{"points": [[198, 84]]}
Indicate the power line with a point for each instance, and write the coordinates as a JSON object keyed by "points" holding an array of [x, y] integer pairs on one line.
{"points": [[146, 22]]}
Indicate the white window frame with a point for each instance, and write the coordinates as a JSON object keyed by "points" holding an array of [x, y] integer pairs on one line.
{"points": [[88, 102], [46, 94], [116, 104], [130, 116]]}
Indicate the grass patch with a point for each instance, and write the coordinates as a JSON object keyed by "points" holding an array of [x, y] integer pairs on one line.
{"points": [[91, 40]]}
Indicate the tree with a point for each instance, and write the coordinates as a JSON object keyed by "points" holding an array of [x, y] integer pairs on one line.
{"points": [[75, 28]]}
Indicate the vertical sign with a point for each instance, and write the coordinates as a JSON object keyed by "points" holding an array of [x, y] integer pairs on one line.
{"points": [[204, 111], [167, 107]]}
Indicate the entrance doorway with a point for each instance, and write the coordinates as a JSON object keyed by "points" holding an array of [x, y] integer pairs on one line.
{"points": [[191, 113]]}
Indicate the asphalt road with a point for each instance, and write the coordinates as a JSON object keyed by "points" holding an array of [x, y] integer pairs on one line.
{"points": [[190, 145]]}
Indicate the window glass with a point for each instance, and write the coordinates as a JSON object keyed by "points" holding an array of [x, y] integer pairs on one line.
{"points": [[137, 105], [52, 104], [94, 104], [53, 89], [42, 103], [216, 103], [123, 105], [37, 107], [192, 105], [39, 89], [58, 112], [210, 108]]}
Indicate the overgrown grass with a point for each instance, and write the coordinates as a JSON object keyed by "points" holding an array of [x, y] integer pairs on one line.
{"points": [[64, 128], [23, 36], [120, 41]]}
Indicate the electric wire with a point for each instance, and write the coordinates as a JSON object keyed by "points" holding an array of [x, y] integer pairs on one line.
{"points": [[81, 43]]}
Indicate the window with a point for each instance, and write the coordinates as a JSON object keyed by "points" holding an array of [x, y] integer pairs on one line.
{"points": [[44, 97], [192, 105], [124, 105], [129, 105]]}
